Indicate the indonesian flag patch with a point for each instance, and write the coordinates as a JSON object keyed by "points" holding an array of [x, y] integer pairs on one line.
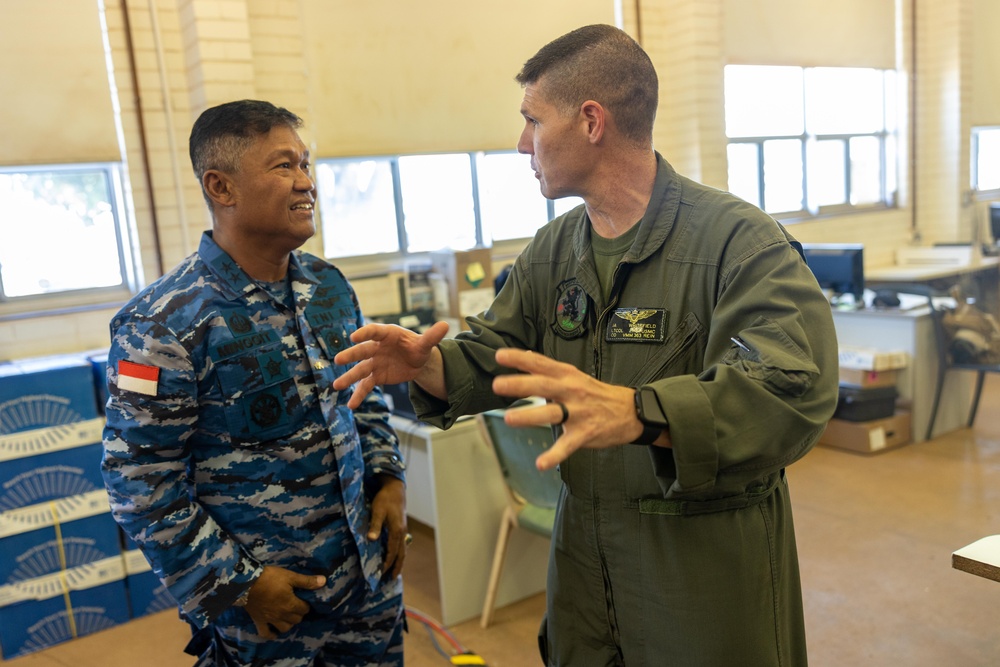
{"points": [[137, 377]]}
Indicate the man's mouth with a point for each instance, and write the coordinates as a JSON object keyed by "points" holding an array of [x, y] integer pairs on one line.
{"points": [[304, 206]]}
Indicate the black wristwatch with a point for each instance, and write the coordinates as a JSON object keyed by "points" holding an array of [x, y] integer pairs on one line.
{"points": [[650, 413]]}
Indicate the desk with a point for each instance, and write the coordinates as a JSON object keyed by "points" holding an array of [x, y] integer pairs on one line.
{"points": [[913, 332], [981, 558], [981, 280], [455, 486]]}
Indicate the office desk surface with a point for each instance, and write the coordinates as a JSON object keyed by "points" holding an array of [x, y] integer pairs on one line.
{"points": [[981, 558], [919, 273]]}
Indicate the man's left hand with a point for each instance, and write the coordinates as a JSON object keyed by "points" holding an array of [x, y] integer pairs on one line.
{"points": [[389, 510], [599, 414]]}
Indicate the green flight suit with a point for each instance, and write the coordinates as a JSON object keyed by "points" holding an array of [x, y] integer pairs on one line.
{"points": [[682, 556]]}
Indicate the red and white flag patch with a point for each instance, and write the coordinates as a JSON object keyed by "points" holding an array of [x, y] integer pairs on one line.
{"points": [[139, 378]]}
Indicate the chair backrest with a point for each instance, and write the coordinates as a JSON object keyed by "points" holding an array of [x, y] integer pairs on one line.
{"points": [[937, 313], [516, 450]]}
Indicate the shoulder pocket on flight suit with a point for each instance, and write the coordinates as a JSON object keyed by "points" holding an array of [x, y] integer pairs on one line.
{"points": [[773, 359]]}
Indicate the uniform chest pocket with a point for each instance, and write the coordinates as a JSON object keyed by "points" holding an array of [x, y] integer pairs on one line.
{"points": [[680, 353], [259, 393]]}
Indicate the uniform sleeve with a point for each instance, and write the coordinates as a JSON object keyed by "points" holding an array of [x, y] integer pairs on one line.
{"points": [[379, 443], [763, 402], [146, 468]]}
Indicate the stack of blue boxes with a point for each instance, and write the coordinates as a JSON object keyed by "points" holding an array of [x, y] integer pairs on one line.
{"points": [[62, 574]]}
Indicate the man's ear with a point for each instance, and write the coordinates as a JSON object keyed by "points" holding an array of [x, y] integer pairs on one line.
{"points": [[594, 116], [219, 187]]}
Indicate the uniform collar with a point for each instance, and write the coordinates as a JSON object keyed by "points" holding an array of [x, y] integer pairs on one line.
{"points": [[656, 223], [233, 279]]}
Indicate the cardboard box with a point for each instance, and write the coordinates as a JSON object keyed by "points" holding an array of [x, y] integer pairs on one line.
{"points": [[50, 463], [871, 359], [46, 391], [867, 379], [45, 538], [469, 278], [146, 595], [41, 612], [868, 437]]}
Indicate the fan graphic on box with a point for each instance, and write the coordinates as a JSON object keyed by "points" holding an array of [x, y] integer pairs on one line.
{"points": [[28, 412], [50, 463], [43, 484], [52, 557], [59, 627]]}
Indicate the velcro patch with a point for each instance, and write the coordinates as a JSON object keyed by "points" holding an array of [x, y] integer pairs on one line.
{"points": [[637, 325]]}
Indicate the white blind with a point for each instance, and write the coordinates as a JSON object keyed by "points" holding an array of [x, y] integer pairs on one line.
{"points": [[986, 63], [431, 76], [54, 83], [811, 33]]}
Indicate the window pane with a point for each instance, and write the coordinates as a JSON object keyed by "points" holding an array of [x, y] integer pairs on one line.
{"points": [[866, 171], [358, 206], [827, 173], [843, 100], [987, 159], [763, 101], [783, 175], [565, 204], [71, 213], [438, 209], [744, 174], [510, 203]]}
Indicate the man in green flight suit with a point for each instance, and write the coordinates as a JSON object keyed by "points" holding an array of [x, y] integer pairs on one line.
{"points": [[686, 353]]}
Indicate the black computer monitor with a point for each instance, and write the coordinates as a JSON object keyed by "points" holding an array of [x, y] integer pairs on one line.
{"points": [[995, 222], [838, 267]]}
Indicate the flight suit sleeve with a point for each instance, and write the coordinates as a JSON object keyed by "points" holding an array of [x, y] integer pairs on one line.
{"points": [[148, 472], [764, 398]]}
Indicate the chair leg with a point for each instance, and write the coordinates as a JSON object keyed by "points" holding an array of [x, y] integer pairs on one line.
{"points": [[506, 524], [980, 377], [942, 369]]}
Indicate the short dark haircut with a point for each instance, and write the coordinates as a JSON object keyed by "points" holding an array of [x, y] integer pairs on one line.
{"points": [[222, 134], [600, 63]]}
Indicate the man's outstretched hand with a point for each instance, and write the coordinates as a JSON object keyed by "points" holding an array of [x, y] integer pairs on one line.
{"points": [[390, 354]]}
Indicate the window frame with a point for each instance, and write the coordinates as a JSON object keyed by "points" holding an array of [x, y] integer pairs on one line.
{"points": [[402, 252], [980, 194], [808, 212], [71, 300]]}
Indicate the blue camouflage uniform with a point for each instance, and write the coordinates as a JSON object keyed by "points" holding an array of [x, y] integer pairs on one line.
{"points": [[240, 454]]}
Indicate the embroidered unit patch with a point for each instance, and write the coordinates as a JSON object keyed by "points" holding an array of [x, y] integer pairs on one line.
{"points": [[571, 309]]}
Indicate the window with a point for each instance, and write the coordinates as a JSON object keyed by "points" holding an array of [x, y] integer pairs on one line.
{"points": [[986, 159], [61, 231], [809, 141], [420, 203]]}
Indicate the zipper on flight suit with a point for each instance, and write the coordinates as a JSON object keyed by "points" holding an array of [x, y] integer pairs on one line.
{"points": [[612, 302]]}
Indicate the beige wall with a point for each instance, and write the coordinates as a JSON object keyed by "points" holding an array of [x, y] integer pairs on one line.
{"points": [[190, 54]]}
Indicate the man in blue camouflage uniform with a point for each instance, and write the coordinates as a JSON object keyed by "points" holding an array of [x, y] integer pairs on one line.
{"points": [[272, 512]]}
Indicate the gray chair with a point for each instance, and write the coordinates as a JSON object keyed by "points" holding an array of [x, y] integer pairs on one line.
{"points": [[946, 362], [532, 495]]}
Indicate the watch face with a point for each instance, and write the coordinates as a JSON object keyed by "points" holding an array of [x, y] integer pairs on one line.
{"points": [[650, 411]]}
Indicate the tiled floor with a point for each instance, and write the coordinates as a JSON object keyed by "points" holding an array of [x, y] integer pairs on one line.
{"points": [[875, 536]]}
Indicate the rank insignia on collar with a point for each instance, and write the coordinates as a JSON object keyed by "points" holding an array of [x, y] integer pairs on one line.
{"points": [[571, 309]]}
